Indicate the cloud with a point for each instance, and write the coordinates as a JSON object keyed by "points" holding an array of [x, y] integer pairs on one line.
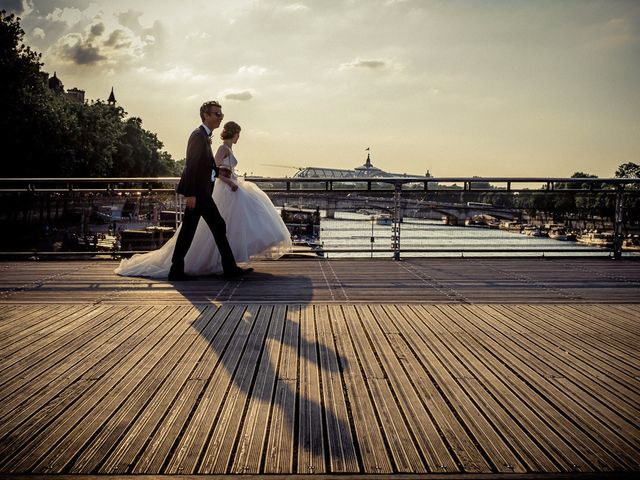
{"points": [[131, 20], [13, 6], [118, 39], [97, 29], [243, 96], [367, 64], [197, 35], [251, 70], [70, 16], [79, 50], [38, 33], [296, 7]]}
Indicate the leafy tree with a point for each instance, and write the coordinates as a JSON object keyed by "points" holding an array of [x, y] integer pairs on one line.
{"points": [[23, 96], [628, 170], [632, 199], [54, 136]]}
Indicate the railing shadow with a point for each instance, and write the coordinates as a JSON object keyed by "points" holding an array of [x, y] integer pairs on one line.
{"points": [[263, 409]]}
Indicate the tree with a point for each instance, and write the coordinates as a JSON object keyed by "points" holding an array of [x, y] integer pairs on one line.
{"points": [[632, 199], [24, 97], [54, 136], [628, 170]]}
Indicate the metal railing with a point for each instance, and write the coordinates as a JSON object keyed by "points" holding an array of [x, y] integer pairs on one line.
{"points": [[396, 190]]}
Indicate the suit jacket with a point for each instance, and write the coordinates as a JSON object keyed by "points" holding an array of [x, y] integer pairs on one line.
{"points": [[196, 178]]}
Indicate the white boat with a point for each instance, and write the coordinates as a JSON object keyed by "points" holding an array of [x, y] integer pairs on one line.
{"points": [[597, 239], [383, 219], [532, 231], [511, 226], [558, 233], [631, 243]]}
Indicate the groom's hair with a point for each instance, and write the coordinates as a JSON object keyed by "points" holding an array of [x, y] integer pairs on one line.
{"points": [[205, 107]]}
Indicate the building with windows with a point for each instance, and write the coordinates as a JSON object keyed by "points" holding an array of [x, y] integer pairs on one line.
{"points": [[76, 94], [367, 170]]}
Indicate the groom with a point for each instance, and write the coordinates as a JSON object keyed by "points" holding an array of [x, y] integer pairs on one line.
{"points": [[196, 184]]}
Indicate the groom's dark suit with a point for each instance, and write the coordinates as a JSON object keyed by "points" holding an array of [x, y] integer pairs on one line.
{"points": [[196, 181]]}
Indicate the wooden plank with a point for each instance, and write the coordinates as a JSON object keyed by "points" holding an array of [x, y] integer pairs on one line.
{"points": [[369, 437], [186, 455], [586, 392], [399, 439], [45, 323], [454, 377], [545, 323], [441, 280], [310, 444], [178, 357], [33, 369], [222, 444], [429, 441], [613, 356], [140, 431], [19, 315], [186, 407], [279, 455], [552, 399], [135, 382], [585, 370], [72, 377], [79, 401], [468, 456], [250, 448], [605, 332], [598, 319], [537, 443], [340, 441]]}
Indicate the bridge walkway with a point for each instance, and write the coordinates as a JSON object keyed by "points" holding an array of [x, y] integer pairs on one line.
{"points": [[425, 368]]}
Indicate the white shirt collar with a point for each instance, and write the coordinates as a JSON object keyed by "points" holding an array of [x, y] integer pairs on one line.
{"points": [[207, 129]]}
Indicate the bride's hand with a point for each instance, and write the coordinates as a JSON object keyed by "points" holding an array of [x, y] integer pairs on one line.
{"points": [[234, 187]]}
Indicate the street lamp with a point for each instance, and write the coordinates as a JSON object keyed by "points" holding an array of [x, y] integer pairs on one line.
{"points": [[373, 218]]}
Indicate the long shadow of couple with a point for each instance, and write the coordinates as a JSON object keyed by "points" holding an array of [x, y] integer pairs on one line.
{"points": [[269, 382]]}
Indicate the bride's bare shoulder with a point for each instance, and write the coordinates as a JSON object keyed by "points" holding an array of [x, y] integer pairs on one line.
{"points": [[221, 153]]}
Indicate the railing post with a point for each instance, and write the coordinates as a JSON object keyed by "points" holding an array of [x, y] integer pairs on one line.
{"points": [[178, 209], [618, 225], [395, 233]]}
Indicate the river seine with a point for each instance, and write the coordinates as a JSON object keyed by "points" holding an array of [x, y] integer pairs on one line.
{"points": [[354, 231]]}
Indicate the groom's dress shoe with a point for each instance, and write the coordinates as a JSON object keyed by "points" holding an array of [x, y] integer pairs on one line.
{"points": [[237, 272], [180, 277]]}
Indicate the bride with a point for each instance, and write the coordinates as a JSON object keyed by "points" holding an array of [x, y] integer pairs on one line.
{"points": [[254, 227]]}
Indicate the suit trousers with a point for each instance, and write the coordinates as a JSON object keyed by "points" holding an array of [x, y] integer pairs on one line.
{"points": [[207, 209]]}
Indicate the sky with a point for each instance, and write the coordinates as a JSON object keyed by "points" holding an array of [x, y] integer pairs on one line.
{"points": [[457, 88]]}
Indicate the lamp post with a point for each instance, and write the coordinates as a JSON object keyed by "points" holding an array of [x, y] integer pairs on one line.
{"points": [[372, 237]]}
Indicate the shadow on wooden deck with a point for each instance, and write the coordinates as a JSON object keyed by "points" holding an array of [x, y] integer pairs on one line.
{"points": [[419, 369]]}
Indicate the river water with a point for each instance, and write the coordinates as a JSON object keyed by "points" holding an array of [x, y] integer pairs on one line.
{"points": [[353, 230]]}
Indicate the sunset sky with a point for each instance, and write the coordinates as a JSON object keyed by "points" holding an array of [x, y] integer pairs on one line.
{"points": [[459, 88]]}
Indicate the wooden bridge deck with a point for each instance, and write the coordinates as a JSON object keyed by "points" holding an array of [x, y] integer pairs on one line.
{"points": [[463, 368]]}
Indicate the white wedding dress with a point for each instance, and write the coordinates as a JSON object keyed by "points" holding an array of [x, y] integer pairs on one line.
{"points": [[254, 230]]}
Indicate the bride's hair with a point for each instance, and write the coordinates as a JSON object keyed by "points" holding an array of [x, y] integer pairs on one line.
{"points": [[229, 130]]}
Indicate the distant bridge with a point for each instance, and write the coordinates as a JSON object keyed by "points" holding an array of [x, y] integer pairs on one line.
{"points": [[454, 213]]}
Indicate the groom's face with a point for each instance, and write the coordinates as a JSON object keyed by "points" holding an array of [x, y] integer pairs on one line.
{"points": [[213, 116]]}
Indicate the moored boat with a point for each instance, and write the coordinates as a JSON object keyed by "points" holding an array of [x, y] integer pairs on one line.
{"points": [[631, 243], [383, 219], [558, 233], [511, 226], [596, 239]]}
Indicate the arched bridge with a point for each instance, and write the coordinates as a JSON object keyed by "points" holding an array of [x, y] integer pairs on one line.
{"points": [[409, 207]]}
